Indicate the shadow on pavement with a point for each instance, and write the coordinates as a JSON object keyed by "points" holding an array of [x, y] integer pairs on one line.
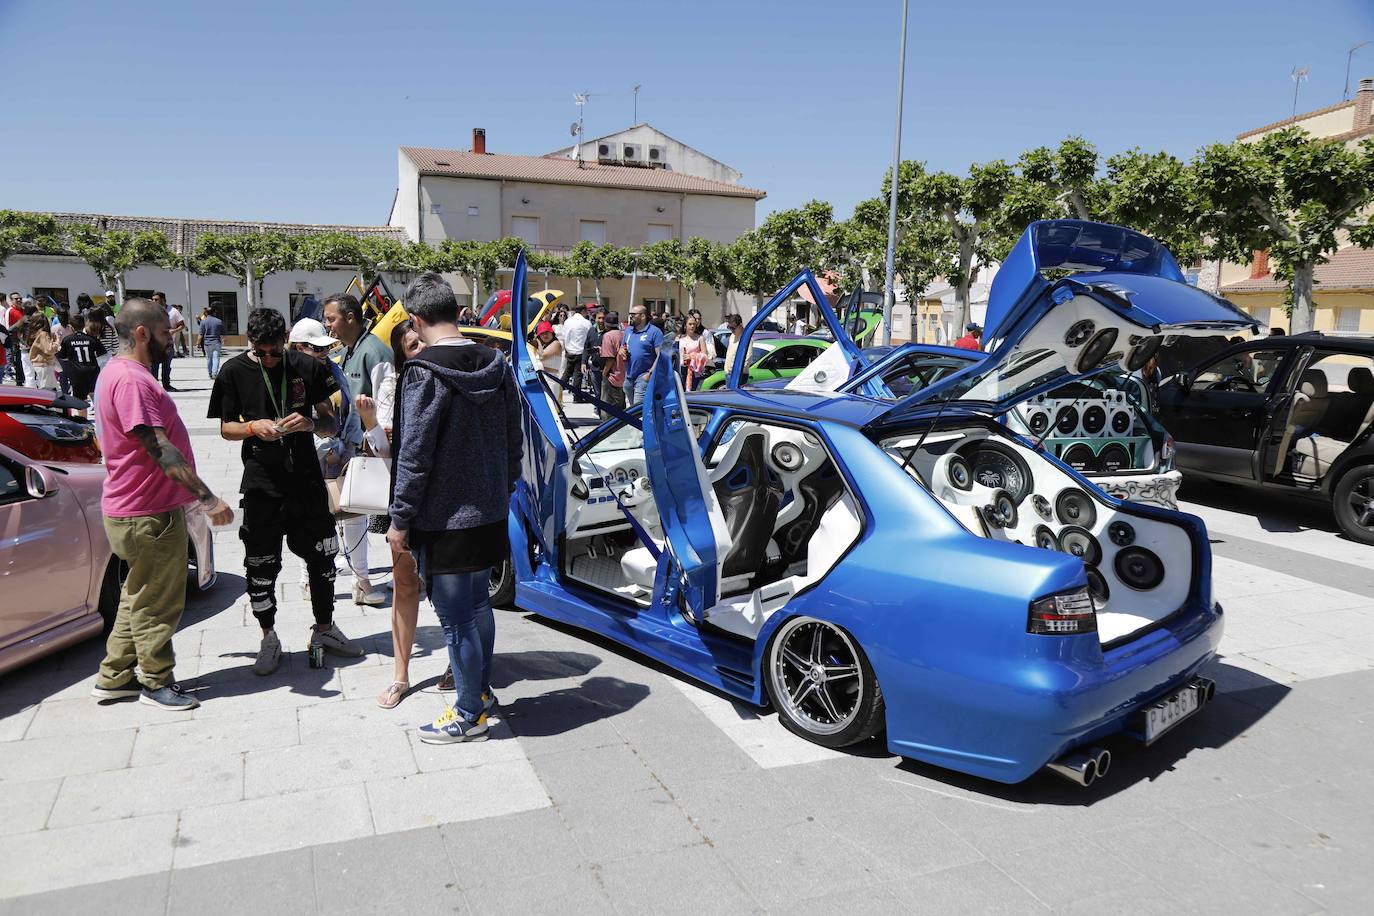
{"points": [[570, 708], [1243, 698], [1277, 512]]}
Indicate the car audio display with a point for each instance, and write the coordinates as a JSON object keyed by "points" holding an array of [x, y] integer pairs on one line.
{"points": [[1005, 509], [1042, 507], [1080, 543], [1121, 533], [1139, 568], [1080, 457], [787, 456], [960, 474], [1097, 588], [1074, 507], [1096, 349], [1094, 419], [1108, 416], [1114, 458]]}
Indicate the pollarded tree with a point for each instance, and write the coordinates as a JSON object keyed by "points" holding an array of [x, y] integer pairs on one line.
{"points": [[610, 262], [1290, 194], [748, 267], [248, 257], [664, 260], [1155, 193], [700, 264], [855, 249], [112, 253], [33, 233], [795, 239], [323, 250], [1067, 178]]}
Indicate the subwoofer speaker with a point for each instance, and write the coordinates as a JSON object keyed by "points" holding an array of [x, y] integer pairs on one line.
{"points": [[1038, 421], [1122, 421], [1080, 457], [1097, 588], [1074, 507], [1095, 349], [1079, 332], [1004, 508], [1139, 568], [1066, 420], [1114, 458], [1045, 539], [1094, 419], [960, 475], [1080, 543]]}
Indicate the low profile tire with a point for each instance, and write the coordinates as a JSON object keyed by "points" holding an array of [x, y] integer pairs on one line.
{"points": [[502, 585], [821, 684], [110, 585], [1352, 501]]}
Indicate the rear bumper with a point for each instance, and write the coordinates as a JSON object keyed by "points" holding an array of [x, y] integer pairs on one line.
{"points": [[1038, 709]]}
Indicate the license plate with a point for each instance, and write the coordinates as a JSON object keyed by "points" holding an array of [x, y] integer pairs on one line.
{"points": [[1168, 712]]}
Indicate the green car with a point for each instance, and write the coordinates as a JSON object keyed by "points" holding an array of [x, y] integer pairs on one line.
{"points": [[772, 358]]}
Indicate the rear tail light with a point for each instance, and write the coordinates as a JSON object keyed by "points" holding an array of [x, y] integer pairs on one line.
{"points": [[1063, 614]]}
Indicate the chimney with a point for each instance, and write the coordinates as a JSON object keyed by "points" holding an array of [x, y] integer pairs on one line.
{"points": [[1364, 101], [479, 140], [1259, 264]]}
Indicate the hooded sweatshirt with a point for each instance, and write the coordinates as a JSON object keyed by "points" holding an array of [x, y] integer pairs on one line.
{"points": [[459, 441]]}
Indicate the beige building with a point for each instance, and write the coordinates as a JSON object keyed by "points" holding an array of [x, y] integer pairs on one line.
{"points": [[619, 197], [1343, 289]]}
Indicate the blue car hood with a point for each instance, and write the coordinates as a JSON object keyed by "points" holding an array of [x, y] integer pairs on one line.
{"points": [[1125, 296]]}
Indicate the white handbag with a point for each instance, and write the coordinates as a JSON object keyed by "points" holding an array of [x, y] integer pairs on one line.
{"points": [[366, 486]]}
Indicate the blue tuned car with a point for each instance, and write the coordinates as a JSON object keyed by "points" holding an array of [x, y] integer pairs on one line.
{"points": [[905, 566]]}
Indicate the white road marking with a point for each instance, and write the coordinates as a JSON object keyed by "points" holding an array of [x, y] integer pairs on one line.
{"points": [[758, 734]]}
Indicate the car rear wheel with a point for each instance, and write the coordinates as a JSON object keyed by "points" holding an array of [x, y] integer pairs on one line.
{"points": [[502, 585], [821, 683], [1353, 502]]}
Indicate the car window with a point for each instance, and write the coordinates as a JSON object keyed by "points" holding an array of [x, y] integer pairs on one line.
{"points": [[1248, 370], [11, 482], [793, 357], [915, 373], [627, 436]]}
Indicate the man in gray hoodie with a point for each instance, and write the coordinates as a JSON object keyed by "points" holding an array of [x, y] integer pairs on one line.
{"points": [[459, 445]]}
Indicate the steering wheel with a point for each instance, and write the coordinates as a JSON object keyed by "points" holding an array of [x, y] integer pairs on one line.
{"points": [[637, 492], [1234, 383]]}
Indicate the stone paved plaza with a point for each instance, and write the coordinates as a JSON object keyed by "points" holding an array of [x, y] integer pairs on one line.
{"points": [[611, 785]]}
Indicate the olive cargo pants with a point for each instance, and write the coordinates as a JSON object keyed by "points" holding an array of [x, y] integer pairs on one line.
{"points": [[152, 599]]}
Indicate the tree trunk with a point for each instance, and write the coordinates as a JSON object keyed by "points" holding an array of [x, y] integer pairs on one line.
{"points": [[119, 289], [248, 281], [477, 300], [1303, 318], [597, 281], [724, 302], [691, 297], [966, 272], [1080, 210], [577, 292]]}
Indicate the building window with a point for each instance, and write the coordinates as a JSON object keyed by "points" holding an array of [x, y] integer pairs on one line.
{"points": [[48, 295], [473, 211], [659, 306], [1347, 319], [593, 231], [138, 293], [659, 233], [526, 228], [226, 310]]}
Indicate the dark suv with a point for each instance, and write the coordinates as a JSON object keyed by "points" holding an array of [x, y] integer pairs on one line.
{"points": [[1284, 412]]}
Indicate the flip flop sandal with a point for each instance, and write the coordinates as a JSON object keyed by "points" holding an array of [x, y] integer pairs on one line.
{"points": [[393, 695]]}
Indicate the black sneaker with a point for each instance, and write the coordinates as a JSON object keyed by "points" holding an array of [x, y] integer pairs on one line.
{"points": [[171, 697], [131, 688]]}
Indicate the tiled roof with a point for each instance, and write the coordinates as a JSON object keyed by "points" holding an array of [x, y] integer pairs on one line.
{"points": [[1349, 103], [1349, 268], [182, 233], [463, 164]]}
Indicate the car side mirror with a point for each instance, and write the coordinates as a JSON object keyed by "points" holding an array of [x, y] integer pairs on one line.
{"points": [[39, 481]]}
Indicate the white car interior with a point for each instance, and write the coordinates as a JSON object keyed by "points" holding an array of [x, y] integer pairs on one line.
{"points": [[785, 518], [1139, 569], [1332, 406]]}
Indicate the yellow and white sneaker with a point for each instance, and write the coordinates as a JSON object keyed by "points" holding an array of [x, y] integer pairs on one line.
{"points": [[451, 728]]}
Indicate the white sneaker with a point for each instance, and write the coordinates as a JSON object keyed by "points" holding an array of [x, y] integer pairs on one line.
{"points": [[335, 642], [269, 655]]}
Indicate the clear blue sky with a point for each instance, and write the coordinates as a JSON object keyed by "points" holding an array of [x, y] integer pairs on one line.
{"points": [[292, 110]]}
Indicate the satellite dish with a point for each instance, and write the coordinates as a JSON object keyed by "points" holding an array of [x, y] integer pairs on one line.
{"points": [[572, 129]]}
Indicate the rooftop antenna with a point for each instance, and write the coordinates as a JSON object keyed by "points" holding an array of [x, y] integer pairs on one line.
{"points": [[1299, 74], [580, 100], [1348, 56], [636, 89]]}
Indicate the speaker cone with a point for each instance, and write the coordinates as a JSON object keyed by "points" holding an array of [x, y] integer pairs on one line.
{"points": [[1121, 421], [1094, 350], [1097, 588], [1080, 457], [1005, 509], [1038, 422], [1066, 421], [990, 516], [1114, 458], [1045, 539], [1074, 507], [960, 474], [1081, 543], [1042, 507], [1121, 534], [1079, 332], [787, 456], [1140, 354], [1139, 568], [1094, 419]]}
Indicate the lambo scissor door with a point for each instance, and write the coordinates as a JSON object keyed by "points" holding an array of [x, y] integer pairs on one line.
{"points": [[541, 494], [695, 535]]}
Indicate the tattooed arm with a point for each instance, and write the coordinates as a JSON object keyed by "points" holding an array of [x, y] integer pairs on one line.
{"points": [[174, 464]]}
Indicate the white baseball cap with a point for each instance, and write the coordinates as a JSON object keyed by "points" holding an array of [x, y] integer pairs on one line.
{"points": [[310, 331]]}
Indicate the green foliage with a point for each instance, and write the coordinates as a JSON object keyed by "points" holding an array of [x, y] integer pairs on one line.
{"points": [[27, 232], [664, 259], [322, 250], [247, 255], [111, 253], [1155, 193]]}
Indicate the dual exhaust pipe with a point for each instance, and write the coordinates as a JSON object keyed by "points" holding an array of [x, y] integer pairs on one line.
{"points": [[1083, 768]]}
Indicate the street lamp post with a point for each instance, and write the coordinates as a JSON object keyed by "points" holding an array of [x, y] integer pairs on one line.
{"points": [[889, 274]]}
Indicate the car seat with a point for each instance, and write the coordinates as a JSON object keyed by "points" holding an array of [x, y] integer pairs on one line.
{"points": [[1307, 410], [1315, 454]]}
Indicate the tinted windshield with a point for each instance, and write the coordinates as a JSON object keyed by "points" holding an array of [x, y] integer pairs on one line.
{"points": [[1022, 372]]}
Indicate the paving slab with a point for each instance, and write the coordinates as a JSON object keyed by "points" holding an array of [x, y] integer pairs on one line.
{"points": [[46, 859], [445, 796], [279, 882], [163, 787], [279, 823]]}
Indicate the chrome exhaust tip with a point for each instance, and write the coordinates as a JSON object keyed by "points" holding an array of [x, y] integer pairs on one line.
{"points": [[1206, 689], [1079, 769], [1103, 758]]}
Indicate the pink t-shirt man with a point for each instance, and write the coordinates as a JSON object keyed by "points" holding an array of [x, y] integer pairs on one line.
{"points": [[127, 395], [610, 350]]}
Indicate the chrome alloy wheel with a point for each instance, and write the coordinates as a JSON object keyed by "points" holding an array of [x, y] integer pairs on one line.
{"points": [[814, 672], [1362, 502]]}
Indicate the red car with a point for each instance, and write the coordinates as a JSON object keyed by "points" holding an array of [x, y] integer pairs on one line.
{"points": [[32, 422]]}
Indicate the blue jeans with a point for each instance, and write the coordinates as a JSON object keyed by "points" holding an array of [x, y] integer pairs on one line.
{"points": [[212, 352], [634, 393], [464, 607]]}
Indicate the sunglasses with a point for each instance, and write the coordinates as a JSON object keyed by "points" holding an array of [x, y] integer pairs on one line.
{"points": [[267, 354], [315, 349]]}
